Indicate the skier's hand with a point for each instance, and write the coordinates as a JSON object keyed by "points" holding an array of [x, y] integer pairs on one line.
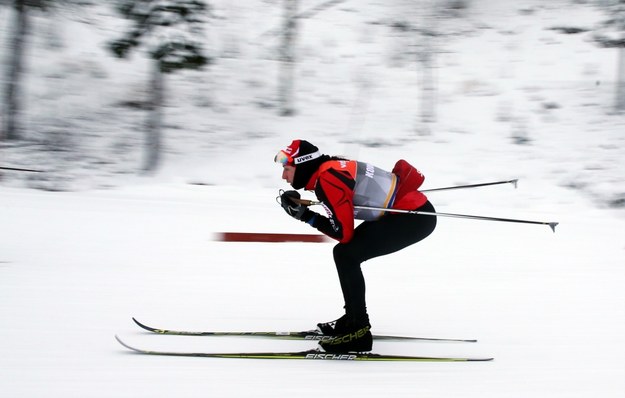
{"points": [[289, 204]]}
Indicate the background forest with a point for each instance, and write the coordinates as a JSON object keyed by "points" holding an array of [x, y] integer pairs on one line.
{"points": [[96, 94]]}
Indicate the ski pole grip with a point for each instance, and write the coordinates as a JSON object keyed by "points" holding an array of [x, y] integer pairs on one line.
{"points": [[305, 202]]}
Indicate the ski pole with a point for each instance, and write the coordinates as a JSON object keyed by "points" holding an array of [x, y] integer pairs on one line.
{"points": [[515, 181], [551, 224], [17, 169]]}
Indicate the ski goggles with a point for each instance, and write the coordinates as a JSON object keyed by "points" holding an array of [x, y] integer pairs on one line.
{"points": [[285, 159]]}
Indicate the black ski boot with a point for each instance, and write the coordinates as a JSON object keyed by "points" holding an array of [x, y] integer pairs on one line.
{"points": [[355, 336]]}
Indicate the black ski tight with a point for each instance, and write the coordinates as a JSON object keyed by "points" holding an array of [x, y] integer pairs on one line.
{"points": [[388, 234]]}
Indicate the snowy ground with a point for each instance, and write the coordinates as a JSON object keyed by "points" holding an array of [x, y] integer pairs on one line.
{"points": [[76, 266]]}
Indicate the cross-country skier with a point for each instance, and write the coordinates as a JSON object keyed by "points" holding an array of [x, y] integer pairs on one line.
{"points": [[340, 184]]}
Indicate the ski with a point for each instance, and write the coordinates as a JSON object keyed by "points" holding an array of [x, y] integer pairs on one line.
{"points": [[309, 354], [313, 335]]}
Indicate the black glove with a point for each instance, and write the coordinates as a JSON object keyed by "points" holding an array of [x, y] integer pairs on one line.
{"points": [[291, 207]]}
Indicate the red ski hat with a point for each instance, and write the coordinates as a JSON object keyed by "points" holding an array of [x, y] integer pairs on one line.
{"points": [[305, 157], [298, 152]]}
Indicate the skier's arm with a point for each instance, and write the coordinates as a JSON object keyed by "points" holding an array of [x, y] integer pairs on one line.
{"points": [[336, 198]]}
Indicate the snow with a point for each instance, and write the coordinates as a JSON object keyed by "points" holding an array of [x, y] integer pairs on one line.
{"points": [[75, 266]]}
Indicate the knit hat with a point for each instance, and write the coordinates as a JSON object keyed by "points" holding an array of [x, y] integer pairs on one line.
{"points": [[305, 157]]}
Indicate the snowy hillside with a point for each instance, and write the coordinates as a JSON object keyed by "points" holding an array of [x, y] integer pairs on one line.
{"points": [[504, 76]]}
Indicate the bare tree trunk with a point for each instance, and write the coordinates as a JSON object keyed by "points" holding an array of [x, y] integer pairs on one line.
{"points": [[12, 104], [427, 81], [426, 62], [287, 59], [620, 81], [154, 125]]}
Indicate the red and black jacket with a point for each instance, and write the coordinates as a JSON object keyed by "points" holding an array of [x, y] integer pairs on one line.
{"points": [[334, 183]]}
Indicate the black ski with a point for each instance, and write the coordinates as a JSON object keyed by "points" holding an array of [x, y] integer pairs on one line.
{"points": [[313, 335], [309, 354]]}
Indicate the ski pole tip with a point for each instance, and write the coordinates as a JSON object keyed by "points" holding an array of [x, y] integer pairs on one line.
{"points": [[515, 182], [552, 225]]}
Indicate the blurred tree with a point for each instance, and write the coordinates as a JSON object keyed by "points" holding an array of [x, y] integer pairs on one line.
{"points": [[426, 60], [172, 32], [415, 30], [287, 59], [612, 35], [288, 33], [11, 129]]}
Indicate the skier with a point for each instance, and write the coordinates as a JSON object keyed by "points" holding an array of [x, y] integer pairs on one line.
{"points": [[340, 184]]}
